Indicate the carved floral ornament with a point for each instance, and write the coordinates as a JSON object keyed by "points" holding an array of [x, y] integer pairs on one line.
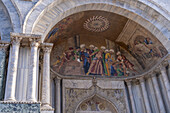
{"points": [[96, 24]]}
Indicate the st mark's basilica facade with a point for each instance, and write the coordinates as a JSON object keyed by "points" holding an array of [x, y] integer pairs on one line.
{"points": [[84, 56]]}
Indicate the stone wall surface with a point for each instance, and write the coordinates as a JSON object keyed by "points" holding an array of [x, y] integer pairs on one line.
{"points": [[5, 23]]}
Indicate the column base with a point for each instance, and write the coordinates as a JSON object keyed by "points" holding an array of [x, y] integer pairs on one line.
{"points": [[31, 100], [46, 107], [10, 100], [47, 111]]}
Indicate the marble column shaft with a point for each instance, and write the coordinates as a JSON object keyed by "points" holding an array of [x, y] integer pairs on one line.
{"points": [[58, 95], [145, 96], [158, 94], [31, 87], [166, 81], [12, 70], [131, 96], [46, 79]]}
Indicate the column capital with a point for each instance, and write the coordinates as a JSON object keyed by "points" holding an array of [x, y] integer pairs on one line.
{"points": [[156, 71], [47, 47], [34, 44], [141, 79], [163, 64], [129, 82], [15, 40], [4, 45], [57, 79]]}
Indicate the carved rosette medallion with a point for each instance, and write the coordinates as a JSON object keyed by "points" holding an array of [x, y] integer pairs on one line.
{"points": [[96, 24]]}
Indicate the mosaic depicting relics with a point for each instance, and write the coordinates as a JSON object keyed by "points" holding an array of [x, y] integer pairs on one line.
{"points": [[91, 43], [91, 60], [143, 46]]}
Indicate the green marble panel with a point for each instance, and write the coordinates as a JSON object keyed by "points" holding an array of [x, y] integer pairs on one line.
{"points": [[2, 72], [19, 108]]}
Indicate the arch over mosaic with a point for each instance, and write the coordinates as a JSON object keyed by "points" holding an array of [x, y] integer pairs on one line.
{"points": [[144, 15]]}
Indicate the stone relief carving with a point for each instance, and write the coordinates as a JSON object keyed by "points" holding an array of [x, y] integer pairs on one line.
{"points": [[74, 96]]}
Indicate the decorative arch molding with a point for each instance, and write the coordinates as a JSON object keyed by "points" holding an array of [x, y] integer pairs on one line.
{"points": [[14, 15], [42, 19], [99, 96]]}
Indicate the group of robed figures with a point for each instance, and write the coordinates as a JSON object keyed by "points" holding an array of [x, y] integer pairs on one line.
{"points": [[97, 61]]}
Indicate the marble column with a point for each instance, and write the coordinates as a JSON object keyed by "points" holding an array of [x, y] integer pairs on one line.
{"points": [[46, 76], [145, 96], [32, 74], [158, 94], [12, 70], [165, 79], [58, 95], [129, 84]]}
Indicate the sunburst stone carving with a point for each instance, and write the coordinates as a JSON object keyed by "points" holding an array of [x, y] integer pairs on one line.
{"points": [[96, 24]]}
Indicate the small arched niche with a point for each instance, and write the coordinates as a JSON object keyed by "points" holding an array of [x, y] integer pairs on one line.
{"points": [[96, 104]]}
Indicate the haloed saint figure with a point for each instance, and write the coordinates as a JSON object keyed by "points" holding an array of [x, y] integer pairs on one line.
{"points": [[92, 61]]}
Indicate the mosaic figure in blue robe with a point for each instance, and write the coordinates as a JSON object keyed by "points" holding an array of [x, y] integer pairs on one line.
{"points": [[85, 58]]}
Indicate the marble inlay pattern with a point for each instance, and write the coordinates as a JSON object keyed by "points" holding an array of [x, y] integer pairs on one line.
{"points": [[19, 108]]}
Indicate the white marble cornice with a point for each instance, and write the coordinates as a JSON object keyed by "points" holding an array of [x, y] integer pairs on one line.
{"points": [[22, 35], [25, 39]]}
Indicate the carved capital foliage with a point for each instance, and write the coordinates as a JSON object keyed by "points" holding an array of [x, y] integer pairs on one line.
{"points": [[164, 64], [156, 70], [128, 82], [47, 47], [141, 79], [57, 80], [34, 42], [4, 46], [16, 40]]}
